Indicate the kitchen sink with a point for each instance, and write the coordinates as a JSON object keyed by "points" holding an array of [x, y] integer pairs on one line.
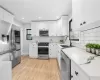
{"points": [[64, 46]]}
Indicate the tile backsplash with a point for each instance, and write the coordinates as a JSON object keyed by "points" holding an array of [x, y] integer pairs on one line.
{"points": [[89, 35]]}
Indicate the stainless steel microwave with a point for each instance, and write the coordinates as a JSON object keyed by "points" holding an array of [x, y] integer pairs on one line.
{"points": [[44, 33]]}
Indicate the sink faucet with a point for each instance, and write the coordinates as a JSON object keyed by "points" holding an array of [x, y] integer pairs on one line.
{"points": [[66, 37]]}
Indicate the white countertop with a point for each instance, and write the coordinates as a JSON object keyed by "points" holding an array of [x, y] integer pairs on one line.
{"points": [[80, 56]]}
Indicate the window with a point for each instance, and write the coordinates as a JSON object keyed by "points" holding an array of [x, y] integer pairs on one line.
{"points": [[28, 34], [73, 35]]}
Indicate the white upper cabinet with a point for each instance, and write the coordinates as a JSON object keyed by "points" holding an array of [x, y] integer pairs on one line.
{"points": [[76, 14], [53, 28], [85, 11], [64, 25], [1, 13], [59, 27], [6, 16], [35, 30], [43, 26]]}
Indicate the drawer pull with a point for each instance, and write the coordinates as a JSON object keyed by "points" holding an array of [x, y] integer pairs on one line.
{"points": [[76, 73], [71, 76]]}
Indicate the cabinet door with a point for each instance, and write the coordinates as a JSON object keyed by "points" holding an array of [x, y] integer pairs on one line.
{"points": [[52, 50], [6, 70], [64, 25], [35, 30], [33, 50], [53, 28], [77, 72], [1, 13], [59, 27], [73, 77]]}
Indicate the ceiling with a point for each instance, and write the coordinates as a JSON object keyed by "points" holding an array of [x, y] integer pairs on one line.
{"points": [[27, 10]]}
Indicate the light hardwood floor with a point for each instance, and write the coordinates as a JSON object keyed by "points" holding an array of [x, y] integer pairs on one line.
{"points": [[34, 69]]}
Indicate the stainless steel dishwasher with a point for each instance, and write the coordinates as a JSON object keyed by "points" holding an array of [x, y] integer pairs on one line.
{"points": [[65, 67]]}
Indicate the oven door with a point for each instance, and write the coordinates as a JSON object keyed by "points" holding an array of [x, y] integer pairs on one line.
{"points": [[43, 50]]}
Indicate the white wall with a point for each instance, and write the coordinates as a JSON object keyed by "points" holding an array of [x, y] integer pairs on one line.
{"points": [[24, 42]]}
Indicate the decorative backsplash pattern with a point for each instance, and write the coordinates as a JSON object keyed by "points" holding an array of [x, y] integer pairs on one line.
{"points": [[91, 35]]}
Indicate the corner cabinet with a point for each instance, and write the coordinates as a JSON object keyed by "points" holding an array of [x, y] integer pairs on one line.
{"points": [[33, 50], [52, 50]]}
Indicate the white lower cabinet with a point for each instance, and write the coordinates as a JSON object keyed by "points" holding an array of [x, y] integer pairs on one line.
{"points": [[5, 70], [77, 73], [59, 56], [52, 50], [33, 50]]}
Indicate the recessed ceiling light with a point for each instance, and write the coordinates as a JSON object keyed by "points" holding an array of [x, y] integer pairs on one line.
{"points": [[39, 17], [57, 17], [22, 18]]}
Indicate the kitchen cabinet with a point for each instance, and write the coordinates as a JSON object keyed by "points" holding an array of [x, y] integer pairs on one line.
{"points": [[56, 28], [87, 11], [1, 13], [59, 28], [59, 56], [5, 70], [77, 14], [53, 50], [64, 25], [90, 12], [35, 29], [33, 50], [52, 31], [77, 73], [53, 28]]}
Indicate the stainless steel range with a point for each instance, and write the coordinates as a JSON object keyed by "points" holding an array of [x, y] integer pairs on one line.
{"points": [[43, 50]]}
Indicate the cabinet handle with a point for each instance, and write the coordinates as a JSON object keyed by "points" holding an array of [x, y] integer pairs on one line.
{"points": [[71, 76], [76, 73]]}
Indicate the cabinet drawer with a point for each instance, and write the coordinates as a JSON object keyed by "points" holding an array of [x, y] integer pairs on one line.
{"points": [[79, 74]]}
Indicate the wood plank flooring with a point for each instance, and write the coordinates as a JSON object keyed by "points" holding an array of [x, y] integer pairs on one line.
{"points": [[34, 69]]}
